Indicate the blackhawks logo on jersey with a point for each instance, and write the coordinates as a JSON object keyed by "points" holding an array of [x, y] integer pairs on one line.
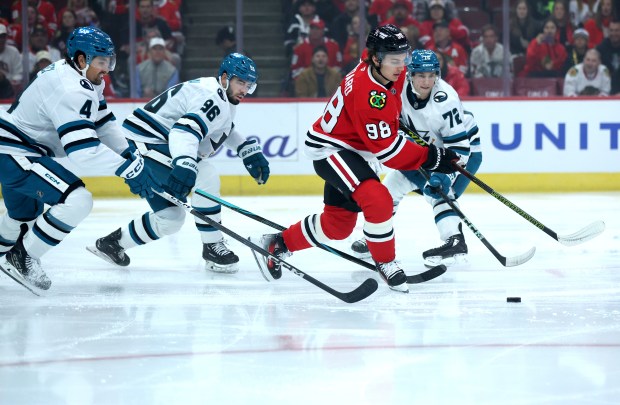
{"points": [[377, 100]]}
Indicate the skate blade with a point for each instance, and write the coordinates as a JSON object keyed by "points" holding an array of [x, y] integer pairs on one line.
{"points": [[260, 261], [98, 253], [222, 269], [455, 260], [19, 279], [400, 288]]}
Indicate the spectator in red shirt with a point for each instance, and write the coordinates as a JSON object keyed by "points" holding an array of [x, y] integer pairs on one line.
{"points": [[598, 26], [84, 14], [438, 13], [402, 14], [545, 56], [44, 8], [169, 10], [442, 42], [34, 18], [453, 75], [302, 53], [380, 9]]}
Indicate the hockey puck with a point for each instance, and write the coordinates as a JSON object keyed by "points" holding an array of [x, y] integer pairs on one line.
{"points": [[513, 299]]}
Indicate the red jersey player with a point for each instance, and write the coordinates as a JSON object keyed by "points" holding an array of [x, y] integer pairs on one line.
{"points": [[360, 125]]}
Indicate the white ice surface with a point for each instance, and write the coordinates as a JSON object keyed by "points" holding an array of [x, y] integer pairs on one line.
{"points": [[165, 331]]}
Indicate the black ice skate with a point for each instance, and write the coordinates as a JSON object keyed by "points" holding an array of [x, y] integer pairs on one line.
{"points": [[393, 275], [219, 258], [109, 249], [274, 244], [23, 268], [360, 249], [452, 252]]}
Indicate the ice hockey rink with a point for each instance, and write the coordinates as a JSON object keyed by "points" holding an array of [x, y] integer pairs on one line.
{"points": [[165, 331]]}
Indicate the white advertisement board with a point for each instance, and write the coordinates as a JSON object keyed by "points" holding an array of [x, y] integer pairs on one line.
{"points": [[518, 136]]}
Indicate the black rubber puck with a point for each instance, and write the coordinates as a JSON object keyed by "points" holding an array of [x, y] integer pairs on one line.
{"points": [[513, 299]]}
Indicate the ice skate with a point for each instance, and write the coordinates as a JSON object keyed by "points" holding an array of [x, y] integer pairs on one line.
{"points": [[360, 249], [393, 275], [274, 244], [110, 250], [452, 252], [25, 269], [219, 259]]}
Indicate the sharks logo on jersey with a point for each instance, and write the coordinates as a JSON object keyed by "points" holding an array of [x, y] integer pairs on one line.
{"points": [[422, 133], [86, 84]]}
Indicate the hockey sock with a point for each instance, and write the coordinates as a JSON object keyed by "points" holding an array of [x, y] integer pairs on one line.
{"points": [[376, 203]]}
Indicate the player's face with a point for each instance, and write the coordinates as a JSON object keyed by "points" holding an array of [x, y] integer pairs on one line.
{"points": [[591, 62], [99, 67], [393, 65], [238, 89], [423, 83]]}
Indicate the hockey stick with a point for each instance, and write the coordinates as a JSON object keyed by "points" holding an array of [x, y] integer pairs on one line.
{"points": [[364, 290], [585, 234], [415, 279], [506, 261]]}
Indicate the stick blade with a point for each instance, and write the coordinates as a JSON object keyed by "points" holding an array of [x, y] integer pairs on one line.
{"points": [[365, 290], [520, 259], [583, 235], [427, 275]]}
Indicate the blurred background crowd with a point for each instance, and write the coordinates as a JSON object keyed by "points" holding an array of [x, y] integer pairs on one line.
{"points": [[303, 48]]}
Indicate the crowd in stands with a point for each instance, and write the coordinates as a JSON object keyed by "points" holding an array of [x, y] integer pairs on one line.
{"points": [[566, 47], [550, 42], [158, 36]]}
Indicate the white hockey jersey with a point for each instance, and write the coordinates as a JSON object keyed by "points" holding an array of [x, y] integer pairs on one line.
{"points": [[441, 119], [576, 83], [63, 114], [193, 117]]}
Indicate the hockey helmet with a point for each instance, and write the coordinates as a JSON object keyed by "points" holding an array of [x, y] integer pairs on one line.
{"points": [[387, 39], [236, 64], [92, 42], [424, 60]]}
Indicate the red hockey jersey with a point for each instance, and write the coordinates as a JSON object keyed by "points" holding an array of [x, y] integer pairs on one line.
{"points": [[362, 116]]}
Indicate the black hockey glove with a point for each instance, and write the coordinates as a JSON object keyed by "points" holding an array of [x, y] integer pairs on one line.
{"points": [[440, 160]]}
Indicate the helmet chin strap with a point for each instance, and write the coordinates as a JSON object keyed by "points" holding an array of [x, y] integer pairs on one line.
{"points": [[83, 71], [378, 69], [219, 79], [76, 66]]}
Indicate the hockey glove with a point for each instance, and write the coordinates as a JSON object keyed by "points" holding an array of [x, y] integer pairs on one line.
{"points": [[437, 182], [137, 176], [254, 160], [182, 178], [440, 160]]}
